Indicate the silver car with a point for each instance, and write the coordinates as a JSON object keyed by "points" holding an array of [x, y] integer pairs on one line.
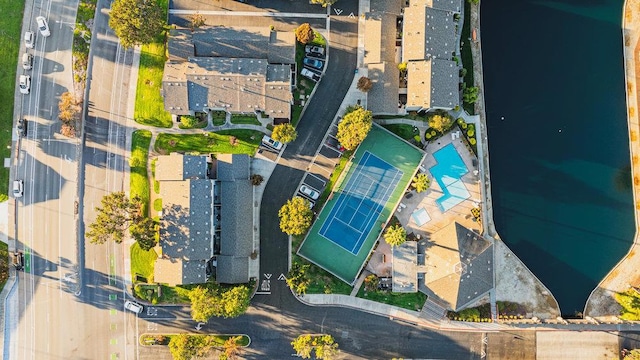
{"points": [[43, 26], [25, 84], [133, 306], [29, 39]]}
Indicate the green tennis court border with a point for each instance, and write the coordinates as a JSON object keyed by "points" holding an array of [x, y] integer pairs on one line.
{"points": [[330, 256]]}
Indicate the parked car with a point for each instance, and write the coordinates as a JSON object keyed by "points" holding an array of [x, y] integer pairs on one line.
{"points": [[18, 188], [309, 74], [18, 260], [43, 26], [310, 192], [313, 63], [21, 127], [25, 84], [317, 51], [133, 306], [27, 61], [266, 140], [29, 39]]}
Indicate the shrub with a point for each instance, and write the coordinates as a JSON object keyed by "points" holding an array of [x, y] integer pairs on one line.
{"points": [[471, 133], [472, 141]]}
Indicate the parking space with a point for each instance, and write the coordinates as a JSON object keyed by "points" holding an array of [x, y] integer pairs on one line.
{"points": [[314, 181]]}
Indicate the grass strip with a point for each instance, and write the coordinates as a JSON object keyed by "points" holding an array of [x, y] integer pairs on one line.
{"points": [[139, 180], [409, 301], [246, 142], [142, 262]]}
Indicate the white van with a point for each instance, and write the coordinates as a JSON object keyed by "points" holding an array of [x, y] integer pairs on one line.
{"points": [[18, 188], [266, 140], [132, 306]]}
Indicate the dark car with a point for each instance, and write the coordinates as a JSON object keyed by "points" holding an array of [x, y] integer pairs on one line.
{"points": [[313, 63], [21, 127]]}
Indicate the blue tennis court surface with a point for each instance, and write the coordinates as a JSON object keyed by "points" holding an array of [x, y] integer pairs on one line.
{"points": [[448, 172], [360, 202]]}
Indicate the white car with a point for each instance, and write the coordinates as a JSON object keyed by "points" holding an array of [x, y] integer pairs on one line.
{"points": [[18, 188], [29, 39], [43, 26], [315, 50], [310, 192], [271, 143], [132, 306], [25, 84], [310, 74]]}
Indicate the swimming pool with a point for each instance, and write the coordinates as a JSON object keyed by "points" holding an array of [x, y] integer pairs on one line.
{"points": [[448, 173]]}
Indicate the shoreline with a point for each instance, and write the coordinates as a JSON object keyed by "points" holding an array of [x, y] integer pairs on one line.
{"points": [[601, 303]]}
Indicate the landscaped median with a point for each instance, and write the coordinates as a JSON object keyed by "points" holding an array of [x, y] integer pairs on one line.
{"points": [[188, 346], [221, 142]]}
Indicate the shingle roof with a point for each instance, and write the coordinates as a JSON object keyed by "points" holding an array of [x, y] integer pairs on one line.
{"points": [[236, 234], [432, 84], [380, 37], [233, 167], [449, 5], [232, 269], [459, 266], [174, 89], [282, 47], [177, 272], [390, 6], [176, 166], [428, 33], [383, 96], [180, 45]]}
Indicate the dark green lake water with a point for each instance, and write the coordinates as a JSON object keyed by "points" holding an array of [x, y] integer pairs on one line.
{"points": [[558, 143]]}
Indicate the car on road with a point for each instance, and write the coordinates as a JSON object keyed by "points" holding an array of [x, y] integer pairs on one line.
{"points": [[18, 188], [27, 61], [309, 74], [25, 84], [266, 140], [18, 260], [29, 39], [309, 191], [317, 51], [133, 306], [43, 26], [313, 63], [21, 127]]}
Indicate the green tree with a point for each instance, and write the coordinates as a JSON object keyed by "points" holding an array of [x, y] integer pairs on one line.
{"points": [[420, 182], [285, 133], [204, 304], [327, 348], [631, 354], [295, 216], [324, 345], [196, 20], [297, 279], [440, 121], [470, 95], [114, 217], [186, 347], [402, 66], [324, 3], [364, 84], [354, 127], [395, 235], [302, 345], [144, 232], [136, 22], [234, 302], [188, 121], [304, 33]]}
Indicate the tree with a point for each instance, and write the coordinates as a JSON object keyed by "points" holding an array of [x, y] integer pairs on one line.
{"points": [[231, 347], [114, 218], [304, 33], [186, 347], [440, 121], [324, 345], [295, 216], [470, 95], [326, 3], [188, 121], [207, 303], [403, 67], [69, 107], [420, 182], [136, 22], [144, 232], [196, 20], [354, 127], [285, 133], [235, 301], [203, 303], [256, 179], [631, 354], [364, 84], [395, 235], [297, 279]]}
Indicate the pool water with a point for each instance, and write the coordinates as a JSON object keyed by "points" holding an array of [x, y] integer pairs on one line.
{"points": [[448, 173]]}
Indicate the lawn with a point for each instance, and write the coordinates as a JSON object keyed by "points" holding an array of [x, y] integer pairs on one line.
{"points": [[139, 181], [245, 119], [149, 108], [10, 23], [142, 262], [213, 340], [410, 301], [404, 131], [209, 142], [219, 118]]}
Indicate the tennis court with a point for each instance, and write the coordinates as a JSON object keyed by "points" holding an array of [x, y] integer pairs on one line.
{"points": [[362, 199], [372, 185]]}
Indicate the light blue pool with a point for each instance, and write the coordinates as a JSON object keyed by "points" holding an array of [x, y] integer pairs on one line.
{"points": [[447, 172]]}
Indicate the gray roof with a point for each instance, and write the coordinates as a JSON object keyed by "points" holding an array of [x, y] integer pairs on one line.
{"points": [[180, 45], [432, 84], [236, 233], [232, 269], [233, 167], [458, 266], [178, 272], [246, 42], [175, 167], [383, 96], [449, 5], [405, 267], [174, 89], [390, 6], [428, 33], [380, 37]]}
